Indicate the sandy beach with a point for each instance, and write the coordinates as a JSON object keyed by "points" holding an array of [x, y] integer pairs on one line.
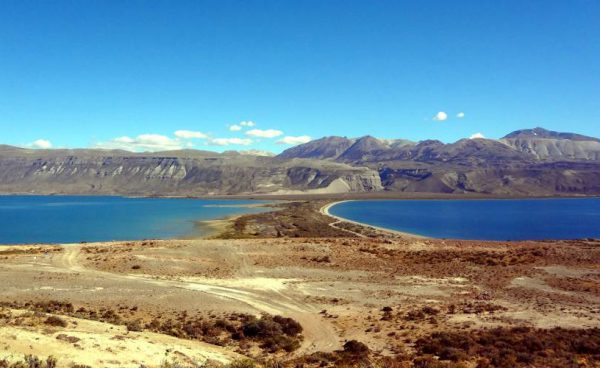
{"points": [[325, 210]]}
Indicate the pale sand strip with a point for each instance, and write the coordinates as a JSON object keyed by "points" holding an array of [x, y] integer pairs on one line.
{"points": [[211, 228], [325, 211]]}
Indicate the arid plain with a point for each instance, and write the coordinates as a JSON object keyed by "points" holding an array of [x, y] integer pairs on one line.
{"points": [[294, 287]]}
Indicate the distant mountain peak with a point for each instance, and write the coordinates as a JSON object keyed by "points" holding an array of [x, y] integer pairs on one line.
{"points": [[325, 148], [542, 133]]}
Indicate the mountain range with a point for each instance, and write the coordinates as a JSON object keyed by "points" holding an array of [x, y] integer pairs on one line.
{"points": [[525, 162]]}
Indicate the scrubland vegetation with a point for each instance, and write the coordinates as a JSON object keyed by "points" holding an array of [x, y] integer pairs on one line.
{"points": [[270, 333], [484, 348]]}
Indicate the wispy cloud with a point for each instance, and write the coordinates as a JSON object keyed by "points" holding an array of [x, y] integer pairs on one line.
{"points": [[440, 116], [460, 115], [40, 144], [229, 141], [144, 142], [476, 136], [269, 133], [255, 152], [190, 138], [294, 140], [154, 142], [188, 134]]}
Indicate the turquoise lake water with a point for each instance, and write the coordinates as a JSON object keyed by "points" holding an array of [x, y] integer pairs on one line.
{"points": [[520, 219], [70, 219]]}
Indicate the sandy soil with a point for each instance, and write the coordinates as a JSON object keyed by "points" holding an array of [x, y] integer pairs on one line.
{"points": [[100, 344], [384, 289]]}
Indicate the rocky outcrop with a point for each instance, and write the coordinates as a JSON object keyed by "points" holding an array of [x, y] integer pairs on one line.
{"points": [[324, 148], [178, 173], [525, 162], [554, 146]]}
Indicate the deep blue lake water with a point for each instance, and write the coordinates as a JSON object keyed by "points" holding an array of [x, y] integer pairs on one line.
{"points": [[520, 219], [69, 219]]}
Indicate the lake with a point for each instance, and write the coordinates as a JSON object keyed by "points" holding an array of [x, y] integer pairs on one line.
{"points": [[70, 219], [518, 219]]}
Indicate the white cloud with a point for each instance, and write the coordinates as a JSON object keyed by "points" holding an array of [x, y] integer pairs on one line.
{"points": [[255, 152], [269, 133], [124, 139], [477, 136], [235, 128], [230, 141], [188, 134], [294, 140], [247, 123], [41, 144], [440, 116], [144, 142], [460, 115], [157, 140]]}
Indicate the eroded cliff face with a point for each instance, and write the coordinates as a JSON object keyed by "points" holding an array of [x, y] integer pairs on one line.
{"points": [[525, 162], [97, 172], [556, 149], [362, 180], [526, 180]]}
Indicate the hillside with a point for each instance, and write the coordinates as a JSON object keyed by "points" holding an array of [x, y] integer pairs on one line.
{"points": [[525, 162], [188, 172], [554, 146]]}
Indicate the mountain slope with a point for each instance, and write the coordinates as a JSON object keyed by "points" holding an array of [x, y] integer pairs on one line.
{"points": [[324, 148], [525, 162], [554, 146], [364, 149], [186, 172], [542, 133]]}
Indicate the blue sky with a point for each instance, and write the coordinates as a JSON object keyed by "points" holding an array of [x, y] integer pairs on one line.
{"points": [[131, 73]]}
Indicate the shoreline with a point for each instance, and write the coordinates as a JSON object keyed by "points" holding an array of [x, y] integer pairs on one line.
{"points": [[201, 229], [276, 218], [325, 211], [210, 229], [339, 197]]}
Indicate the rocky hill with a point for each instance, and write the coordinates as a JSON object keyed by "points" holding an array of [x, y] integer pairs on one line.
{"points": [[324, 148], [188, 172], [525, 162], [554, 146]]}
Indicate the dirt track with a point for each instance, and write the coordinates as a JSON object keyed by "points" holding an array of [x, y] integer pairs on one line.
{"points": [[248, 289], [373, 288]]}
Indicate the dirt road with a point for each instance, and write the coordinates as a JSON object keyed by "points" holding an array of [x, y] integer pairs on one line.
{"points": [[250, 289]]}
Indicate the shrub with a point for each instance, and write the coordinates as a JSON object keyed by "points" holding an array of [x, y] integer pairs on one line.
{"points": [[356, 348], [289, 326], [69, 339], [56, 321], [513, 347], [30, 361], [269, 326], [134, 326], [430, 310], [51, 362], [280, 342], [245, 363], [275, 332]]}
